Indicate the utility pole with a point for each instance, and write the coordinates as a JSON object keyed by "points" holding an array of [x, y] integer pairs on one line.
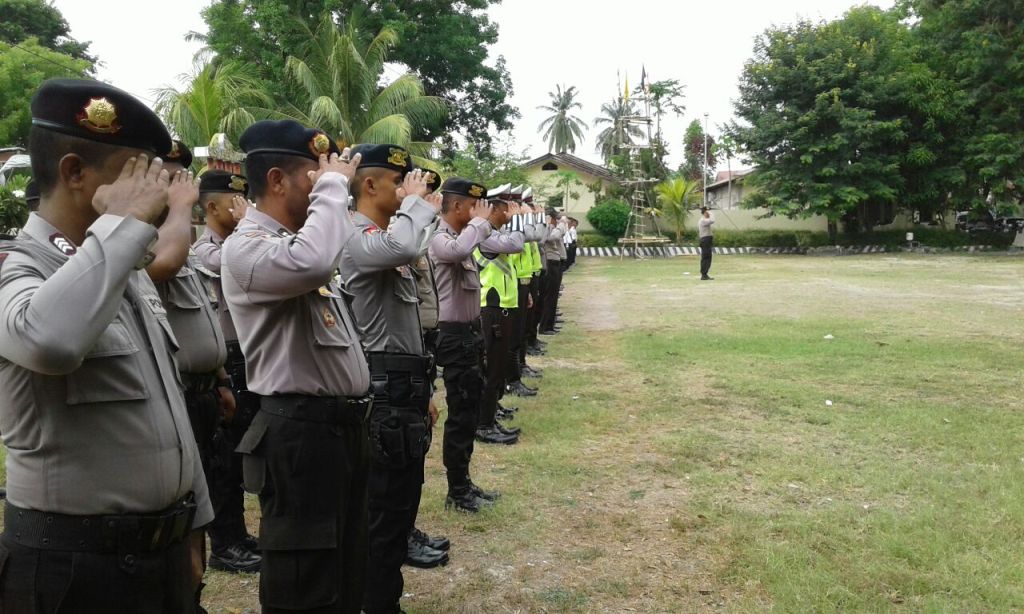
{"points": [[705, 159]]}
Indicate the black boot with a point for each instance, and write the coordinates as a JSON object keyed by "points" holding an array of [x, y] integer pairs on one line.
{"points": [[520, 389], [529, 371], [464, 500], [504, 416], [423, 556], [510, 410], [236, 558], [486, 495], [511, 430], [437, 543], [491, 434]]}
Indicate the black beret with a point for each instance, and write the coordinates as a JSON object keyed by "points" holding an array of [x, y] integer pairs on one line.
{"points": [[433, 180], [384, 156], [464, 187], [286, 137], [31, 190], [224, 182], [99, 112], [178, 153]]}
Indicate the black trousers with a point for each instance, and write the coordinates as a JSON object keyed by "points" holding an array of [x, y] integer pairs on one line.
{"points": [[707, 247], [399, 438], [458, 351], [311, 478], [517, 343], [533, 318], [570, 255], [225, 479], [497, 330], [551, 288], [34, 581]]}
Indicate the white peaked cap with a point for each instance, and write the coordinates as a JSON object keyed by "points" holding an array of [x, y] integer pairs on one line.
{"points": [[498, 191]]}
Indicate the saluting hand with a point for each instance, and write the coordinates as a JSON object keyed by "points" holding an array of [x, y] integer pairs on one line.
{"points": [[182, 193], [482, 209], [239, 205], [140, 191], [336, 164], [514, 209], [435, 199], [414, 184]]}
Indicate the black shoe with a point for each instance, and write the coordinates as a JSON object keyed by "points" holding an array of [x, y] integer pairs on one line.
{"points": [[236, 559], [490, 434], [464, 501], [706, 278], [505, 416], [251, 543], [529, 371], [423, 556], [521, 390], [437, 543], [514, 430], [487, 495], [510, 410], [532, 351], [549, 332]]}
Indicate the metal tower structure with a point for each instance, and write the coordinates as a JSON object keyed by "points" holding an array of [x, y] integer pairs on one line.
{"points": [[642, 227]]}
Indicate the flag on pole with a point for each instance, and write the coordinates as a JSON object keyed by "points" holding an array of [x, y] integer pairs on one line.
{"points": [[626, 95], [644, 85]]}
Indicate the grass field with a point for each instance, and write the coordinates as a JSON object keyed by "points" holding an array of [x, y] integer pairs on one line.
{"points": [[701, 446]]}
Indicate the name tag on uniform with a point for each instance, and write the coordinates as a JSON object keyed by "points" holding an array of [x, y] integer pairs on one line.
{"points": [[155, 305]]}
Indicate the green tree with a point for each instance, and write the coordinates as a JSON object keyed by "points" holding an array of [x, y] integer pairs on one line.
{"points": [[445, 43], [501, 166], [609, 217], [25, 19], [979, 46], [615, 131], [727, 148], [562, 128], [216, 98], [841, 117], [666, 95], [13, 207], [677, 196], [693, 154], [339, 76], [22, 70]]}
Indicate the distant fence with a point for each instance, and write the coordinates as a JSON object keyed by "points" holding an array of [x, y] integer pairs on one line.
{"points": [[672, 251]]}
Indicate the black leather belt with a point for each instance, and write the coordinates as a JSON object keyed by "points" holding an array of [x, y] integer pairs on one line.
{"points": [[381, 362], [327, 410], [459, 327], [125, 533], [199, 383]]}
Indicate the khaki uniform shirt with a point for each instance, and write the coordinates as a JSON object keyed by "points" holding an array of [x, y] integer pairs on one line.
{"points": [[192, 313], [426, 286], [294, 327], [377, 273], [91, 408], [207, 249], [455, 272], [554, 249]]}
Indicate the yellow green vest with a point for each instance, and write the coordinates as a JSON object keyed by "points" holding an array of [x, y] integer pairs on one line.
{"points": [[499, 275], [536, 265]]}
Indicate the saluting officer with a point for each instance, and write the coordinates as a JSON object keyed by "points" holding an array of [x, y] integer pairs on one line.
{"points": [[467, 220], [554, 254], [105, 490], [222, 196], [307, 450], [377, 274]]}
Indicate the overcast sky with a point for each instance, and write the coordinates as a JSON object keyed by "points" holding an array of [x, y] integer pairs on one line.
{"points": [[546, 42]]}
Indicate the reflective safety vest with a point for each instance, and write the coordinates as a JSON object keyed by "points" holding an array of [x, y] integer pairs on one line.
{"points": [[536, 264], [497, 276]]}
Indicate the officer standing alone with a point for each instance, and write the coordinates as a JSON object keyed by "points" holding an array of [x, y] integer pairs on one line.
{"points": [[306, 453]]}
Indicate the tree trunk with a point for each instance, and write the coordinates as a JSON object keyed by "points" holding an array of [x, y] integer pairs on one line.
{"points": [[833, 232]]}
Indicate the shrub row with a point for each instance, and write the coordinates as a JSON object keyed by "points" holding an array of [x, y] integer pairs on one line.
{"points": [[931, 237]]}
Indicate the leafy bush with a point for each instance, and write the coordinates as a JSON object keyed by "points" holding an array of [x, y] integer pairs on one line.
{"points": [[13, 208], [609, 217], [931, 237], [596, 239]]}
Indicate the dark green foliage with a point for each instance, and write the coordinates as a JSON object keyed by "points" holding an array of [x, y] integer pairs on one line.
{"points": [[596, 239], [502, 167], [21, 20], [930, 237], [609, 217], [13, 208], [693, 154], [444, 42]]}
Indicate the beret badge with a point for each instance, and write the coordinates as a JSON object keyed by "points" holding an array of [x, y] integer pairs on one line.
{"points": [[476, 191], [175, 152], [237, 183], [398, 157], [99, 116], [320, 144]]}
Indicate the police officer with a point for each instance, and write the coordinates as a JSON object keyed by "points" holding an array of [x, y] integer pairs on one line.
{"points": [[222, 196], [467, 220], [554, 253], [376, 271], [522, 264], [306, 453], [105, 487]]}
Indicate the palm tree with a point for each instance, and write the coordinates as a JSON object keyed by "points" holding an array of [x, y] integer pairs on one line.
{"points": [[339, 74], [563, 129], [217, 97], [616, 132], [674, 196]]}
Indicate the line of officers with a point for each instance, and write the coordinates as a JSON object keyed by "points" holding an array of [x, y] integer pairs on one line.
{"points": [[293, 348]]}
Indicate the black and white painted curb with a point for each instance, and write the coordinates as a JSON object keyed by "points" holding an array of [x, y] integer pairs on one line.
{"points": [[672, 251]]}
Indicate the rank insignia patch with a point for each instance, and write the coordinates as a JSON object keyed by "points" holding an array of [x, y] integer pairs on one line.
{"points": [[398, 157], [329, 320], [100, 115], [62, 243]]}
